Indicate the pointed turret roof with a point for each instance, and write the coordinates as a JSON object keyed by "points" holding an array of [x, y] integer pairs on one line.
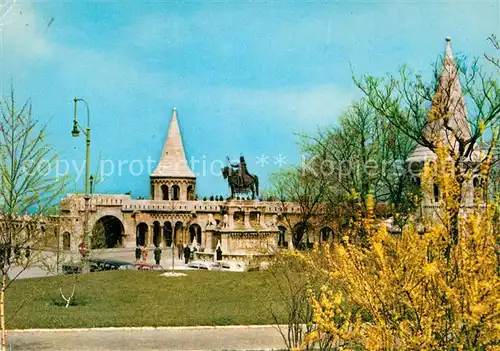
{"points": [[448, 100], [173, 163]]}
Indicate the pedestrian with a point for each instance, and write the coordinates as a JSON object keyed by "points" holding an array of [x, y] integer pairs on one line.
{"points": [[144, 253], [219, 254], [187, 253], [157, 253], [179, 250], [138, 253]]}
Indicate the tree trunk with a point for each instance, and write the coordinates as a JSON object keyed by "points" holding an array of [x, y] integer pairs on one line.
{"points": [[2, 310], [454, 226]]}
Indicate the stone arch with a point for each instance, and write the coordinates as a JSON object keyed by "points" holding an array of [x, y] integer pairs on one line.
{"points": [[475, 182], [141, 234], [66, 244], [195, 232], [167, 233], [156, 233], [282, 236], [301, 231], [178, 229], [239, 217], [107, 232], [176, 192], [164, 192], [326, 234]]}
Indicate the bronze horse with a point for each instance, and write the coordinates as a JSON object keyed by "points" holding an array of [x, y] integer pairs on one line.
{"points": [[241, 184]]}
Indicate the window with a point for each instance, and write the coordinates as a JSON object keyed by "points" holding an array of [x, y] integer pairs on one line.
{"points": [[282, 237], [176, 192], [326, 234], [164, 192], [475, 182], [417, 181], [436, 192]]}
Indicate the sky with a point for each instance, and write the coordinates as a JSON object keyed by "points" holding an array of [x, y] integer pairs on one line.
{"points": [[246, 78]]}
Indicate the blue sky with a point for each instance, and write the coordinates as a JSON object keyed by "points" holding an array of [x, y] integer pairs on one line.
{"points": [[245, 77]]}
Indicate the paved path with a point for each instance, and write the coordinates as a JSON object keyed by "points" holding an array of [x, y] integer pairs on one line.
{"points": [[195, 338], [39, 270]]}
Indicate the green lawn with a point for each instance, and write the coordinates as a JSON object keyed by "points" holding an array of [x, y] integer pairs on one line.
{"points": [[142, 298]]}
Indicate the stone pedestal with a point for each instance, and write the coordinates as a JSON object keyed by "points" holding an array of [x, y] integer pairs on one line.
{"points": [[246, 219], [207, 240]]}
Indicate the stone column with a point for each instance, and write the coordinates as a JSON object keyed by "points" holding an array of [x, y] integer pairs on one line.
{"points": [[162, 238], [149, 240], [206, 237], [182, 191], [230, 217], [262, 219], [225, 244], [246, 219]]}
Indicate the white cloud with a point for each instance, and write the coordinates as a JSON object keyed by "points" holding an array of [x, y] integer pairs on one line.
{"points": [[23, 35]]}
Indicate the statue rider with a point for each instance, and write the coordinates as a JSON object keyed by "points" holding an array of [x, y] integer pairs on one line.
{"points": [[241, 168]]}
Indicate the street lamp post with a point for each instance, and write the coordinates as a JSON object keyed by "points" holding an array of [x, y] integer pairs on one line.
{"points": [[75, 133]]}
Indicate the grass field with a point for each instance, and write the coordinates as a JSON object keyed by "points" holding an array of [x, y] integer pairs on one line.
{"points": [[142, 298]]}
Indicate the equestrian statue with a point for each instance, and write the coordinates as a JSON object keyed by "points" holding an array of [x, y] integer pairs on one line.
{"points": [[240, 181]]}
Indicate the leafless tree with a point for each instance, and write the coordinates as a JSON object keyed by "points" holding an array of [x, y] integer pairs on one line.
{"points": [[301, 193], [364, 154], [27, 191], [496, 45]]}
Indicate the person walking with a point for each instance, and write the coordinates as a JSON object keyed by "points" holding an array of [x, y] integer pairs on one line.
{"points": [[187, 253], [138, 253], [157, 253], [179, 250], [144, 253]]}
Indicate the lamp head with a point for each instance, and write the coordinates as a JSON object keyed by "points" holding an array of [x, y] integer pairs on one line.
{"points": [[75, 132]]}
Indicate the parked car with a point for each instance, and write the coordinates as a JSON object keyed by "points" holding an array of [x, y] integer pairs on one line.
{"points": [[96, 265], [144, 266], [72, 268], [205, 265], [221, 266], [230, 266]]}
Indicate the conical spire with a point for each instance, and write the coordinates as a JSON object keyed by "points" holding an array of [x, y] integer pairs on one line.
{"points": [[448, 102], [173, 163]]}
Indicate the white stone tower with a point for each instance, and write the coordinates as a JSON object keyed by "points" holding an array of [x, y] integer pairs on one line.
{"points": [[446, 130], [172, 179]]}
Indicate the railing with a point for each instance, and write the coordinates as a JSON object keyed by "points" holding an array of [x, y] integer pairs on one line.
{"points": [[129, 205]]}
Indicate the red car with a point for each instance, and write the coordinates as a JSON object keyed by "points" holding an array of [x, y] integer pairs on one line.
{"points": [[148, 266]]}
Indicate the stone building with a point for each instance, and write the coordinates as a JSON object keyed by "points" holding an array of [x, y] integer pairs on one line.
{"points": [[449, 94], [173, 214]]}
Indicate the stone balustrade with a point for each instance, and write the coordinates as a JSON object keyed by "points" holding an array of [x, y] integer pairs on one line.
{"points": [[127, 204]]}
